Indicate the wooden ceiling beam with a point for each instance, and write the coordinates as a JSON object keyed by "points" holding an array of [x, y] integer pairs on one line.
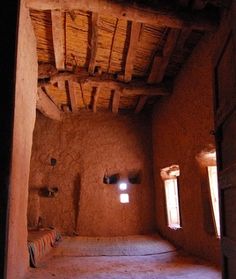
{"points": [[73, 96], [115, 101], [134, 88], [58, 36], [141, 102], [160, 63], [93, 43], [46, 106], [133, 44], [164, 14]]}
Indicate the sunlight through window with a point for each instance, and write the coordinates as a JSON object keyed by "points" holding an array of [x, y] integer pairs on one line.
{"points": [[124, 198], [213, 182]]}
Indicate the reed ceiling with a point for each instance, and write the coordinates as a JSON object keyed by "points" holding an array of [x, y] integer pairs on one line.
{"points": [[115, 55]]}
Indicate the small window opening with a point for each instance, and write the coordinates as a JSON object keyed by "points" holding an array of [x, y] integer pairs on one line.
{"points": [[124, 198], [123, 186], [213, 183], [169, 175]]}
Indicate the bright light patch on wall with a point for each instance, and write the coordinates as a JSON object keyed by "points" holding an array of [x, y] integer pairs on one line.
{"points": [[123, 186], [124, 198], [212, 174]]}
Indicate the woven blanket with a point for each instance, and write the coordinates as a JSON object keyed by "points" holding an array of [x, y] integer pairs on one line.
{"points": [[40, 242]]}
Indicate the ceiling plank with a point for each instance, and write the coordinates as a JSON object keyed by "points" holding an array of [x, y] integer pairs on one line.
{"points": [[93, 43], [133, 44], [46, 106], [165, 13], [141, 102], [160, 63], [95, 99], [115, 101], [73, 96], [58, 36]]}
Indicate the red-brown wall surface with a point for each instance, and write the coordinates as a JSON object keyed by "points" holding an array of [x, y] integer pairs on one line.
{"points": [[182, 125], [85, 147], [24, 118]]}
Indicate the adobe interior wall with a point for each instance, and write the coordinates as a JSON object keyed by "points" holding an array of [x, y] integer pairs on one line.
{"points": [[182, 125], [85, 147], [24, 118]]}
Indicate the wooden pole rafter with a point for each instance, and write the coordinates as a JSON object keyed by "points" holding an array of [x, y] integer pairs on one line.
{"points": [[115, 101], [93, 43], [73, 96], [141, 102], [95, 99], [133, 44], [160, 63], [46, 106], [58, 36]]}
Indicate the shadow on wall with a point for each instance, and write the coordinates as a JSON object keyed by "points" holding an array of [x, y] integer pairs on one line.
{"points": [[76, 201]]}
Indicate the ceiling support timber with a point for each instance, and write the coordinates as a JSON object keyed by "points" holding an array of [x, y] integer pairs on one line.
{"points": [[115, 101], [58, 36], [95, 99], [134, 88], [93, 43], [46, 106], [164, 14], [160, 63], [73, 96], [141, 102], [133, 44]]}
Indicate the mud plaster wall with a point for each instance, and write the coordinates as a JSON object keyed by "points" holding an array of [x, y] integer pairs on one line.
{"points": [[85, 146], [24, 118], [181, 130]]}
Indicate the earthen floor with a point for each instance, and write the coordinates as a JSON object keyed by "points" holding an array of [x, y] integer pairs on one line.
{"points": [[167, 265]]}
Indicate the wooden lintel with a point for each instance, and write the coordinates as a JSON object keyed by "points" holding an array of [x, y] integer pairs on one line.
{"points": [[141, 102], [95, 99], [93, 43], [133, 44], [115, 101], [46, 106], [160, 63], [73, 96], [164, 14], [58, 36]]}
